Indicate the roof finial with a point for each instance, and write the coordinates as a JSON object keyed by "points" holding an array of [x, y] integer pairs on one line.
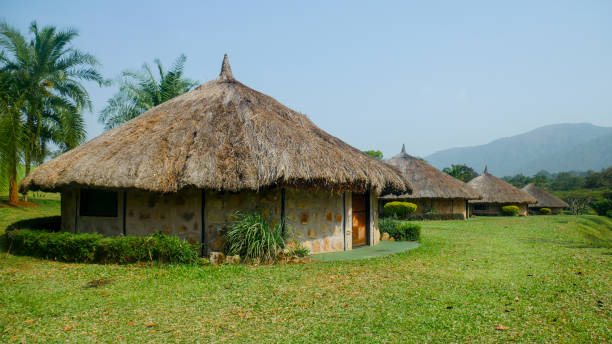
{"points": [[486, 171], [403, 148], [226, 70]]}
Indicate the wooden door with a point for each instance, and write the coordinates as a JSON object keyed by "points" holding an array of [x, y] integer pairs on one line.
{"points": [[359, 220]]}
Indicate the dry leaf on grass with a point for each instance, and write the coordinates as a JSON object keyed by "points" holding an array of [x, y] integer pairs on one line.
{"points": [[67, 328], [150, 324], [501, 328]]}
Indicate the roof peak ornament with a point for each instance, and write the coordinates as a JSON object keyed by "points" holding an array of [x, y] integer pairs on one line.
{"points": [[403, 148], [226, 70], [486, 171]]}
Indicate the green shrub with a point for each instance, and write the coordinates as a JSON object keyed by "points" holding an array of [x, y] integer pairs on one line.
{"points": [[94, 248], [48, 223], [510, 210], [438, 216], [609, 214], [400, 230], [252, 237], [400, 209], [602, 206], [545, 211]]}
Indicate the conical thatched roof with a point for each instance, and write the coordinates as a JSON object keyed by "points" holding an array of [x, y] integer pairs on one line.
{"points": [[222, 135], [427, 181], [545, 199], [495, 190]]}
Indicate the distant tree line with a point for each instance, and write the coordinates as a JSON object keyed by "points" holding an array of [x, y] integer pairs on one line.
{"points": [[565, 181]]}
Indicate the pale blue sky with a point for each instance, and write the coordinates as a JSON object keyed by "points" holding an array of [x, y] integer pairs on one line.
{"points": [[433, 74]]}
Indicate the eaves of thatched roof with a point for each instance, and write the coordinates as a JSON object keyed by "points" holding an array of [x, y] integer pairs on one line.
{"points": [[427, 181], [495, 190], [222, 135], [545, 199]]}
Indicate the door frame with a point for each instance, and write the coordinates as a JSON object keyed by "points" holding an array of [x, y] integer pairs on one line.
{"points": [[368, 212]]}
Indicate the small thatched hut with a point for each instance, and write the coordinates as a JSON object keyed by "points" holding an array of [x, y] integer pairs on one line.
{"points": [[497, 193], [545, 200], [433, 191], [186, 166]]}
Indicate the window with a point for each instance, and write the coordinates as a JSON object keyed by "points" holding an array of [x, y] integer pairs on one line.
{"points": [[98, 203], [481, 207]]}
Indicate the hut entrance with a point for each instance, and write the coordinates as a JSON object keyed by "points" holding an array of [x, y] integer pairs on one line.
{"points": [[360, 216]]}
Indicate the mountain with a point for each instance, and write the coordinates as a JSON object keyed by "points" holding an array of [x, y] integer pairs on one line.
{"points": [[555, 148]]}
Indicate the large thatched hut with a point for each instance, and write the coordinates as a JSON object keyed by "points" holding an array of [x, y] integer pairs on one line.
{"points": [[186, 166], [497, 193], [433, 191], [545, 200]]}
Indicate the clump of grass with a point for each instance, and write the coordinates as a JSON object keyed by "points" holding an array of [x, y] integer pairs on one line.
{"points": [[253, 237]]}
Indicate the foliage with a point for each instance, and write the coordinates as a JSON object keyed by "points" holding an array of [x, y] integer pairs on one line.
{"points": [[140, 91], [429, 211], [399, 209], [400, 230], [602, 207], [48, 223], [510, 210], [565, 181], [461, 172], [609, 213], [545, 211], [48, 72], [94, 248], [253, 237], [374, 154]]}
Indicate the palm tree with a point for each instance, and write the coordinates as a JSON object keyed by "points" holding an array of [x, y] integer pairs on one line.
{"points": [[11, 132], [140, 91], [461, 172], [49, 72]]}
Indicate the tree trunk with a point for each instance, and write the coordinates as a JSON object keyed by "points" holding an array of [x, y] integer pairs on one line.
{"points": [[27, 172], [13, 194]]}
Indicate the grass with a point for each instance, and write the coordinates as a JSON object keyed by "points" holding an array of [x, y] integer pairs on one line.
{"points": [[545, 278], [384, 248]]}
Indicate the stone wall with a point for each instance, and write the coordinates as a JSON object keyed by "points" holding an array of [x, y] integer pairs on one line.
{"points": [[177, 214], [221, 206], [108, 226], [316, 219], [321, 221]]}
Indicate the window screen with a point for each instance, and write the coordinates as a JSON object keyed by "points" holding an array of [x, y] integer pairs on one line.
{"points": [[481, 207], [98, 203]]}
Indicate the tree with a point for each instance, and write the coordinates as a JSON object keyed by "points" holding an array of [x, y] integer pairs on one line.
{"points": [[11, 131], [461, 172], [375, 154], [140, 91], [48, 70]]}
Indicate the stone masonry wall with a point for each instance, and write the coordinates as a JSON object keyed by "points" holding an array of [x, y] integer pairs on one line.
{"points": [[221, 206], [177, 214], [316, 219]]}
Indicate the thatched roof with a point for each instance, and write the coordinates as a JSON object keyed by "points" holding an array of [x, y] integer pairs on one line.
{"points": [[222, 135], [427, 181], [545, 199], [495, 190]]}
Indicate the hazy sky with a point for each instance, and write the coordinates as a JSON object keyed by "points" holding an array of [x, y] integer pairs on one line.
{"points": [[433, 75]]}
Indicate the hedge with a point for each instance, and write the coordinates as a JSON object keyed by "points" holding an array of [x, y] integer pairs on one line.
{"points": [[94, 248], [400, 209], [545, 211], [400, 230], [510, 210]]}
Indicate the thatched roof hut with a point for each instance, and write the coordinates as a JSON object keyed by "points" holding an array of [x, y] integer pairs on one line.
{"points": [[221, 136], [427, 181], [545, 199], [495, 190]]}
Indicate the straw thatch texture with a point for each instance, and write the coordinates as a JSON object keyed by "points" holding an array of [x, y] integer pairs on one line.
{"points": [[495, 190], [427, 181], [222, 135], [545, 199]]}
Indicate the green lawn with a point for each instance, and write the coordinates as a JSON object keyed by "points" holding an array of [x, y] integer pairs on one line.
{"points": [[545, 278]]}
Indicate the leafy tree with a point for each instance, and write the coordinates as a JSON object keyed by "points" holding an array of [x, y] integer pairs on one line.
{"points": [[375, 154], [566, 181], [140, 91], [461, 172], [48, 72], [11, 131]]}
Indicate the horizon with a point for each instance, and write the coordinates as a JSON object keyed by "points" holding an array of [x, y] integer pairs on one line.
{"points": [[428, 76]]}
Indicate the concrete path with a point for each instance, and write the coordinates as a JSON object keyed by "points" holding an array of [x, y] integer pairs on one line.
{"points": [[384, 248]]}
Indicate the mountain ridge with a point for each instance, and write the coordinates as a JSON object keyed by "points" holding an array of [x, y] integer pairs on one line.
{"points": [[555, 148]]}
